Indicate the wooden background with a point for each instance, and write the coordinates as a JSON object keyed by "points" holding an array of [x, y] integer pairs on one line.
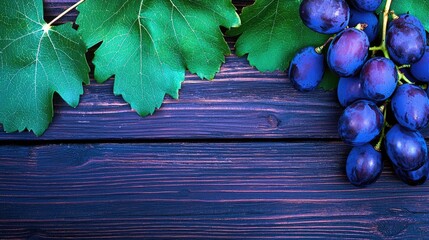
{"points": [[244, 156]]}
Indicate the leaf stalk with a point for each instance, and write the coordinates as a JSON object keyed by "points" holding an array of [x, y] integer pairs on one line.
{"points": [[64, 13]]}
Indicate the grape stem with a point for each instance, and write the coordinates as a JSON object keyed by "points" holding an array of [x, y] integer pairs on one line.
{"points": [[361, 26], [320, 49], [382, 47], [402, 78], [404, 66], [64, 13], [383, 109]]}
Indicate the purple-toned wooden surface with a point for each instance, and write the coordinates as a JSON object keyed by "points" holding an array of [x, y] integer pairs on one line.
{"points": [[244, 156], [205, 190]]}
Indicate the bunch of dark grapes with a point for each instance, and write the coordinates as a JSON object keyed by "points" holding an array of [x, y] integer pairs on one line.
{"points": [[382, 88]]}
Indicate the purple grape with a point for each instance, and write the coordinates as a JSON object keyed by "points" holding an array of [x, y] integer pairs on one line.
{"points": [[420, 69], [348, 52], [410, 105], [414, 178], [366, 5], [306, 69], [364, 165], [408, 18], [368, 18], [379, 78], [360, 123], [349, 90], [405, 41], [325, 16], [406, 148]]}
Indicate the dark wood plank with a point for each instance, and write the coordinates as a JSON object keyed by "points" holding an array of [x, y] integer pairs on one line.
{"points": [[239, 103], [200, 190]]}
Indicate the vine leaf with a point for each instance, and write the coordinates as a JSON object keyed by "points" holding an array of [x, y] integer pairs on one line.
{"points": [[148, 45], [380, 8], [330, 81], [36, 60]]}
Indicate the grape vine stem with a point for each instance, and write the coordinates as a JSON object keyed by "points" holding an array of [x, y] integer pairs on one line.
{"points": [[402, 76], [320, 49], [383, 109], [65, 12], [382, 47]]}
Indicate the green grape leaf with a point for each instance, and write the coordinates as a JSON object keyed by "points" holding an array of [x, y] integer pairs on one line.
{"points": [[330, 81], [272, 32], [380, 9], [418, 8], [148, 45], [380, 13], [35, 62]]}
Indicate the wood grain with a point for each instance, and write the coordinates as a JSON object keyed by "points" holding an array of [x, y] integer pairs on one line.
{"points": [[200, 190], [240, 103], [242, 157]]}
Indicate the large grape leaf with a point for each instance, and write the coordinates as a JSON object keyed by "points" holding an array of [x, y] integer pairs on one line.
{"points": [[148, 44], [35, 62], [272, 32]]}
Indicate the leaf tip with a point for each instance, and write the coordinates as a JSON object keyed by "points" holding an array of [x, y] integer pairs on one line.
{"points": [[238, 21]]}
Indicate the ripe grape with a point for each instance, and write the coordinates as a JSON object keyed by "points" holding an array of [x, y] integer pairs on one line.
{"points": [[406, 148], [366, 5], [408, 18], [364, 165], [410, 105], [325, 16], [405, 41], [360, 123], [349, 90], [368, 18], [379, 78], [348, 52], [416, 177], [306, 69], [420, 69]]}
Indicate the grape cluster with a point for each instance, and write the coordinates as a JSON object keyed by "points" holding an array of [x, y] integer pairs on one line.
{"points": [[382, 88]]}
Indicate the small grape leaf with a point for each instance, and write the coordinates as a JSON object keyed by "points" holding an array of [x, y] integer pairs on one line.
{"points": [[380, 8], [380, 13], [148, 45], [271, 34], [35, 62], [330, 81]]}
